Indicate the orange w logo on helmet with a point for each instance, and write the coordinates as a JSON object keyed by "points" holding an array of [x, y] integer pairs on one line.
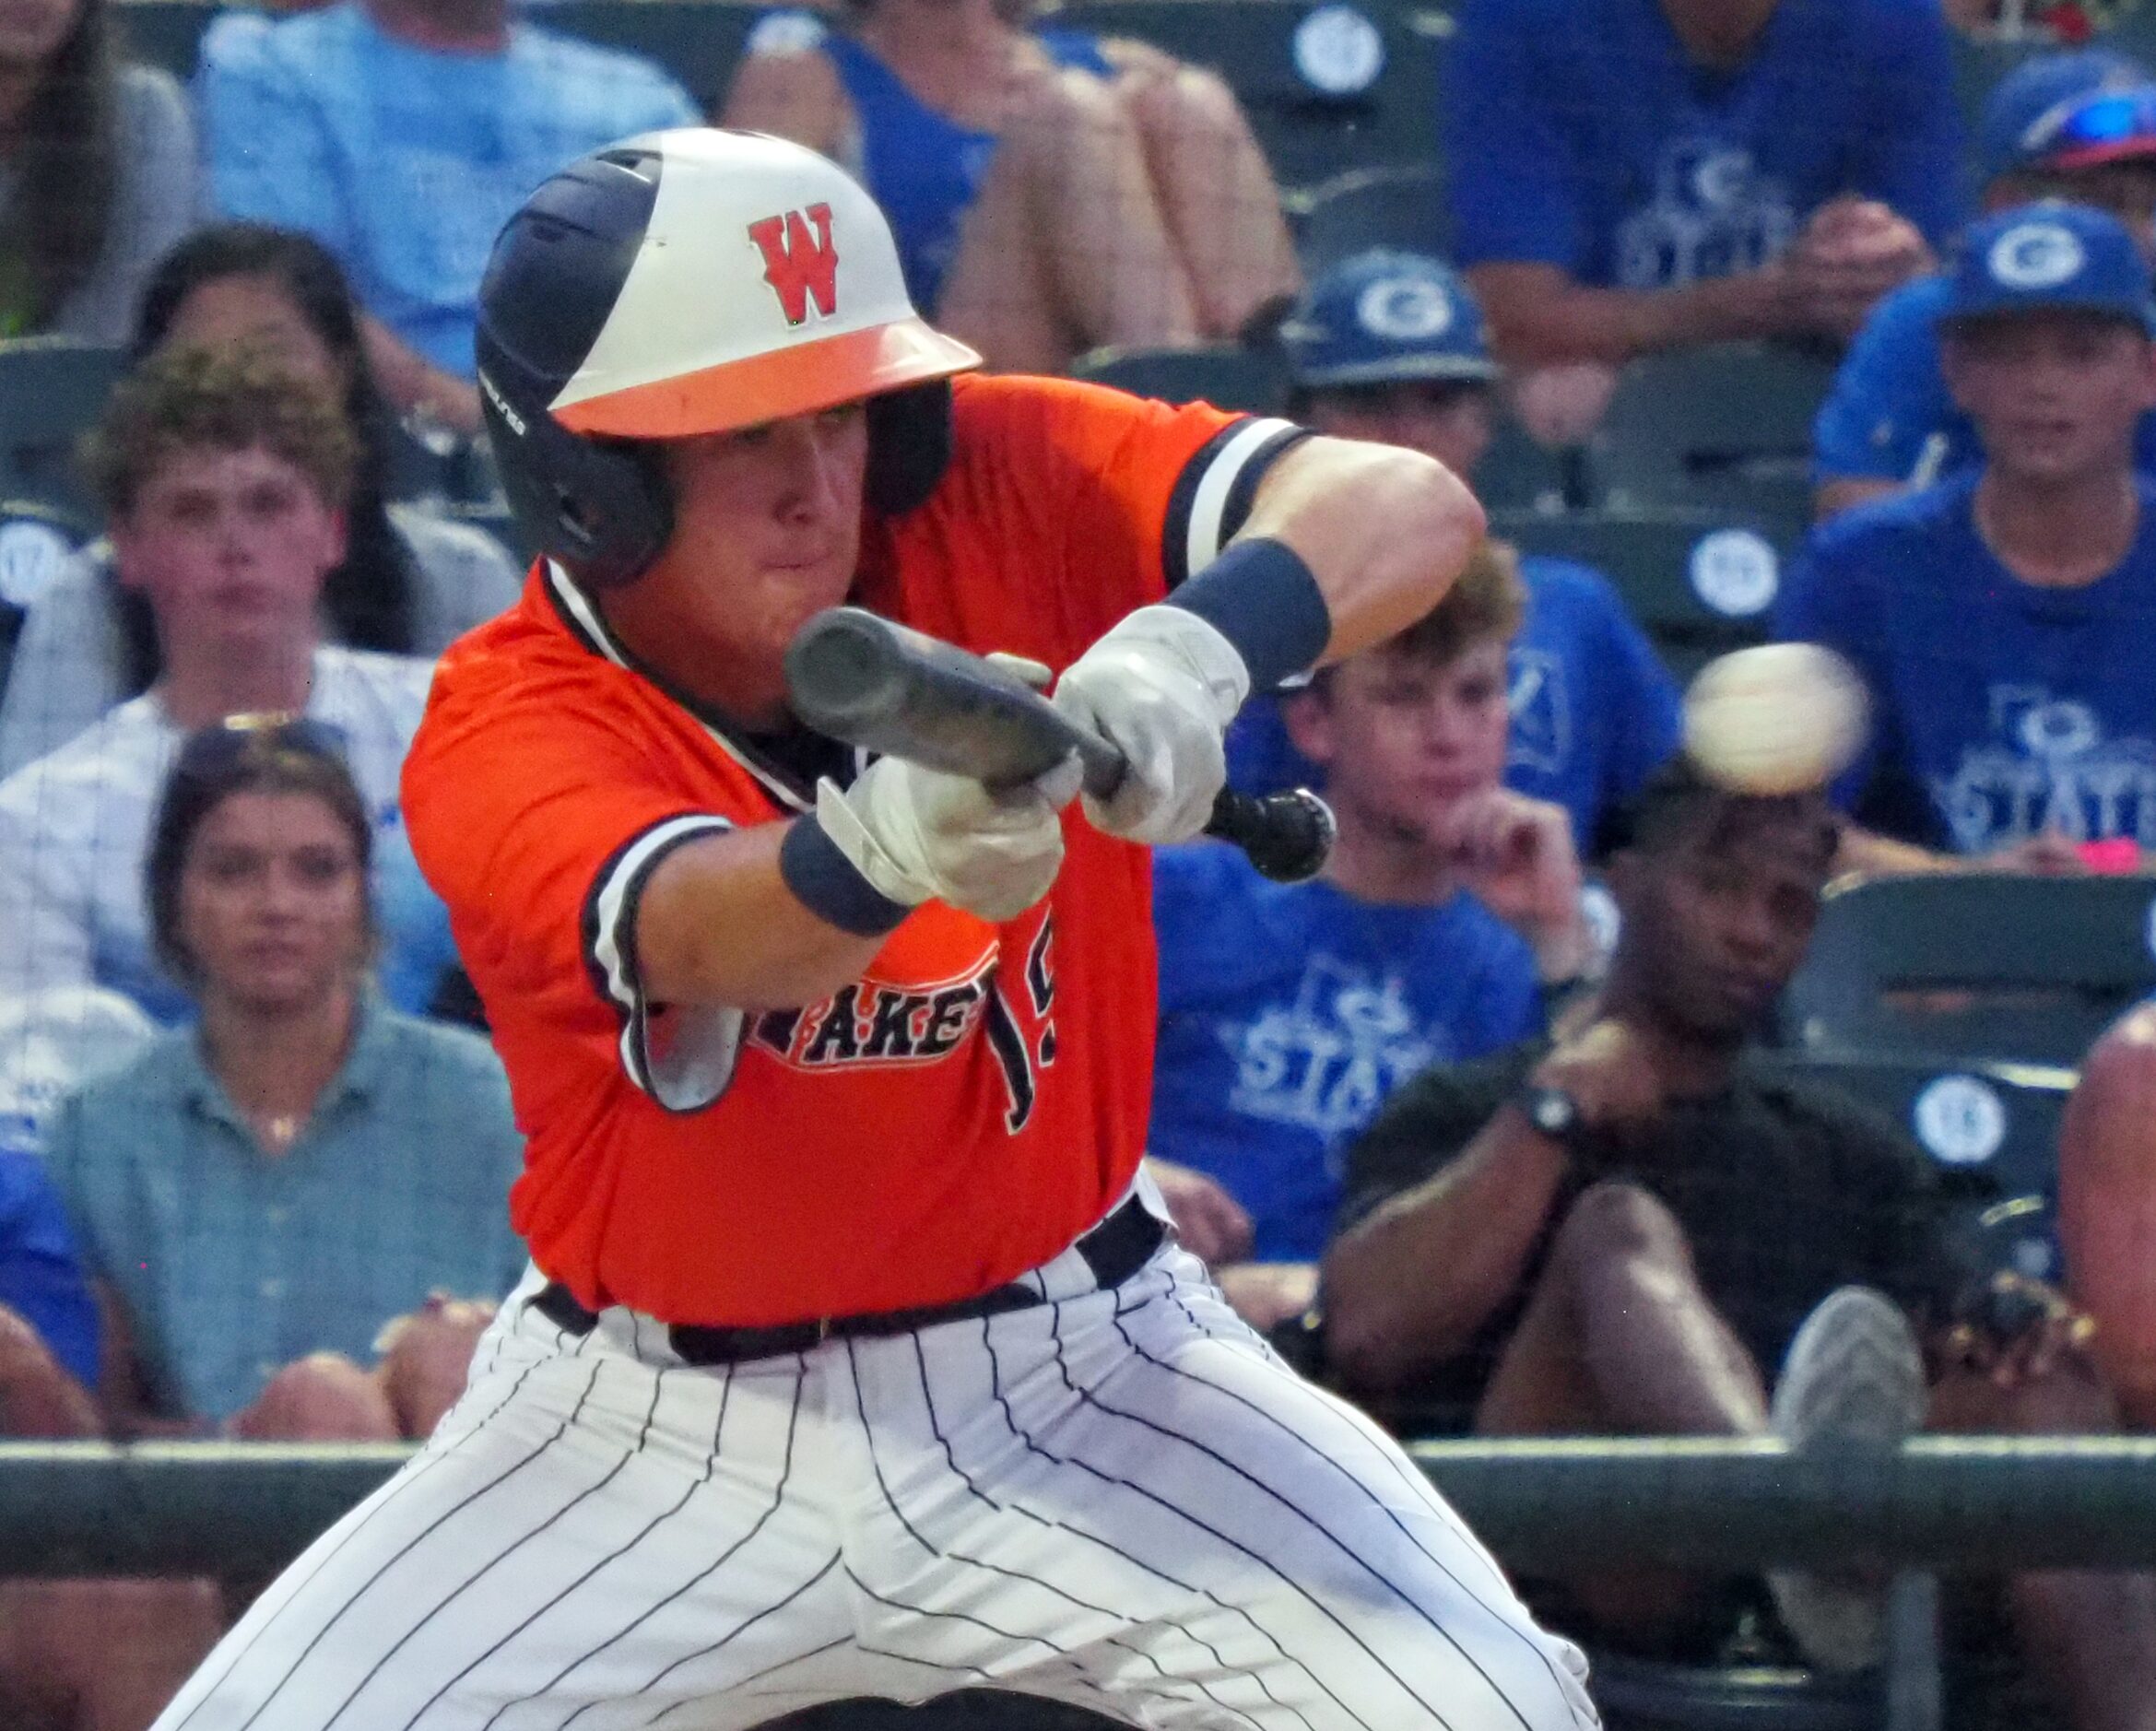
{"points": [[799, 265]]}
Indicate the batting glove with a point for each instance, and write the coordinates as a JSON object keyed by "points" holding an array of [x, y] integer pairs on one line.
{"points": [[1161, 686], [916, 833]]}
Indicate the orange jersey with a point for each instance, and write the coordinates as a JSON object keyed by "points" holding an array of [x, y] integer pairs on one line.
{"points": [[979, 1097]]}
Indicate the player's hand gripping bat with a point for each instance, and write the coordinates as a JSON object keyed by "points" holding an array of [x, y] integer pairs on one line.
{"points": [[856, 677]]}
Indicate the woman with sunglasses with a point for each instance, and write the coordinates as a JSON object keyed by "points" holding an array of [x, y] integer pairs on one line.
{"points": [[344, 1165], [410, 581], [224, 480]]}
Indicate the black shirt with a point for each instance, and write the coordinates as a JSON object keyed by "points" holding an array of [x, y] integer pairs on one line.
{"points": [[1786, 1190]]}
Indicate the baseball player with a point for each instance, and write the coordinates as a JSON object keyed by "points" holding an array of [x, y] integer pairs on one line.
{"points": [[853, 1360]]}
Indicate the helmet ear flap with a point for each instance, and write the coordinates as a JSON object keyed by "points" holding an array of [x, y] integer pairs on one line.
{"points": [[602, 508], [909, 446]]}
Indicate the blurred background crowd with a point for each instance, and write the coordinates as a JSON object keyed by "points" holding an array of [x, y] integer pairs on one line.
{"points": [[1576, 1083]]}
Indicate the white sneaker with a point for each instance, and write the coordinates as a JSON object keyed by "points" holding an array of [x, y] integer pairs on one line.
{"points": [[1854, 1379]]}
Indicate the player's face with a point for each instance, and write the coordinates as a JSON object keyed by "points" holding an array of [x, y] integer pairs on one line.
{"points": [[766, 531], [1718, 922], [2056, 397], [1403, 739], [230, 548], [1445, 421], [273, 902], [254, 312]]}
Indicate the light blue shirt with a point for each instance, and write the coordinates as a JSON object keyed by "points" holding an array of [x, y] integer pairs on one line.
{"points": [[230, 1263], [406, 161]]}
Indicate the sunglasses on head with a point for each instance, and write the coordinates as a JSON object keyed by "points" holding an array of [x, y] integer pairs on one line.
{"points": [[2110, 119], [222, 743]]}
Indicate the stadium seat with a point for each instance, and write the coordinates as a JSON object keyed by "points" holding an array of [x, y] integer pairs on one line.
{"points": [[1974, 966], [1328, 88], [1223, 375], [1402, 206], [1699, 583], [1651, 1695], [1995, 1123], [1723, 427], [51, 389]]}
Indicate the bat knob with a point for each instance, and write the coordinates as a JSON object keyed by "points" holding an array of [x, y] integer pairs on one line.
{"points": [[1287, 836]]}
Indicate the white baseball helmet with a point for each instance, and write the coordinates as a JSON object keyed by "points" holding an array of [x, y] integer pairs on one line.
{"points": [[682, 283]]}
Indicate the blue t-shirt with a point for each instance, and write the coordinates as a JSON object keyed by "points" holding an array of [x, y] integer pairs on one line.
{"points": [[1289, 1012], [925, 169], [1890, 413], [406, 161], [1582, 134], [42, 1279], [2009, 708], [1594, 710]]}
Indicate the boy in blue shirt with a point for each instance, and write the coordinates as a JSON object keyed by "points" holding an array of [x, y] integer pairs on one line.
{"points": [[2002, 619], [1635, 175], [1389, 345], [2079, 125], [1288, 1011]]}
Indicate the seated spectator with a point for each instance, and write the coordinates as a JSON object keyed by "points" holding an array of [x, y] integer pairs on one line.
{"points": [[97, 173], [1050, 192], [2107, 1206], [1289, 1012], [410, 582], [405, 133], [80, 1655], [50, 1043], [1625, 1234], [224, 481], [2078, 126], [2002, 618], [261, 1195], [1389, 347], [1635, 175]]}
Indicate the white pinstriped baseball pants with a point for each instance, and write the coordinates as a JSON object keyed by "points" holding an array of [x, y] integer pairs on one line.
{"points": [[1121, 1499]]}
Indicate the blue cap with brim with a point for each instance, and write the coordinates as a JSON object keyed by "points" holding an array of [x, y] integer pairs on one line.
{"points": [[2069, 109], [2051, 258], [1386, 316]]}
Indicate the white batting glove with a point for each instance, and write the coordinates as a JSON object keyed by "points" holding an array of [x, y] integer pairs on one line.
{"points": [[916, 833], [1161, 686]]}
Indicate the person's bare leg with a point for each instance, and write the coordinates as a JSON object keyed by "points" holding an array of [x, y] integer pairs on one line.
{"points": [[2092, 1635], [1066, 249], [1618, 1339], [324, 1397], [1216, 190], [99, 1655]]}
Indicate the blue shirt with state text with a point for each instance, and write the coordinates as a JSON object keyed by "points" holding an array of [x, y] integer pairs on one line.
{"points": [[1289, 1012], [2001, 708]]}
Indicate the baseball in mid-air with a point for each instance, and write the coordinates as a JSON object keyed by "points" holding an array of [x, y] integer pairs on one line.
{"points": [[1779, 719]]}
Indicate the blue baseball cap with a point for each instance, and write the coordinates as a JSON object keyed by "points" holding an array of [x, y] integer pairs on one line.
{"points": [[2068, 111], [1385, 315], [2051, 255]]}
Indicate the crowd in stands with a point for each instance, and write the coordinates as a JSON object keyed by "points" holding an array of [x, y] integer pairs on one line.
{"points": [[1487, 1125]]}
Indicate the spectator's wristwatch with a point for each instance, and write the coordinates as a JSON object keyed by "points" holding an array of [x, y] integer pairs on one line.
{"points": [[1553, 1111]]}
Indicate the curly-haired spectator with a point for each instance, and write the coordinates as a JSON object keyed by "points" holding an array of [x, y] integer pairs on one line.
{"points": [[1289, 1012], [402, 133], [2002, 618], [224, 480], [1635, 175], [97, 172], [410, 581], [1642, 1226], [1050, 192], [264, 1194], [1388, 346], [2079, 126]]}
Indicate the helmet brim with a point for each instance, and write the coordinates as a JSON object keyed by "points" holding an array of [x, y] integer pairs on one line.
{"points": [[801, 380]]}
